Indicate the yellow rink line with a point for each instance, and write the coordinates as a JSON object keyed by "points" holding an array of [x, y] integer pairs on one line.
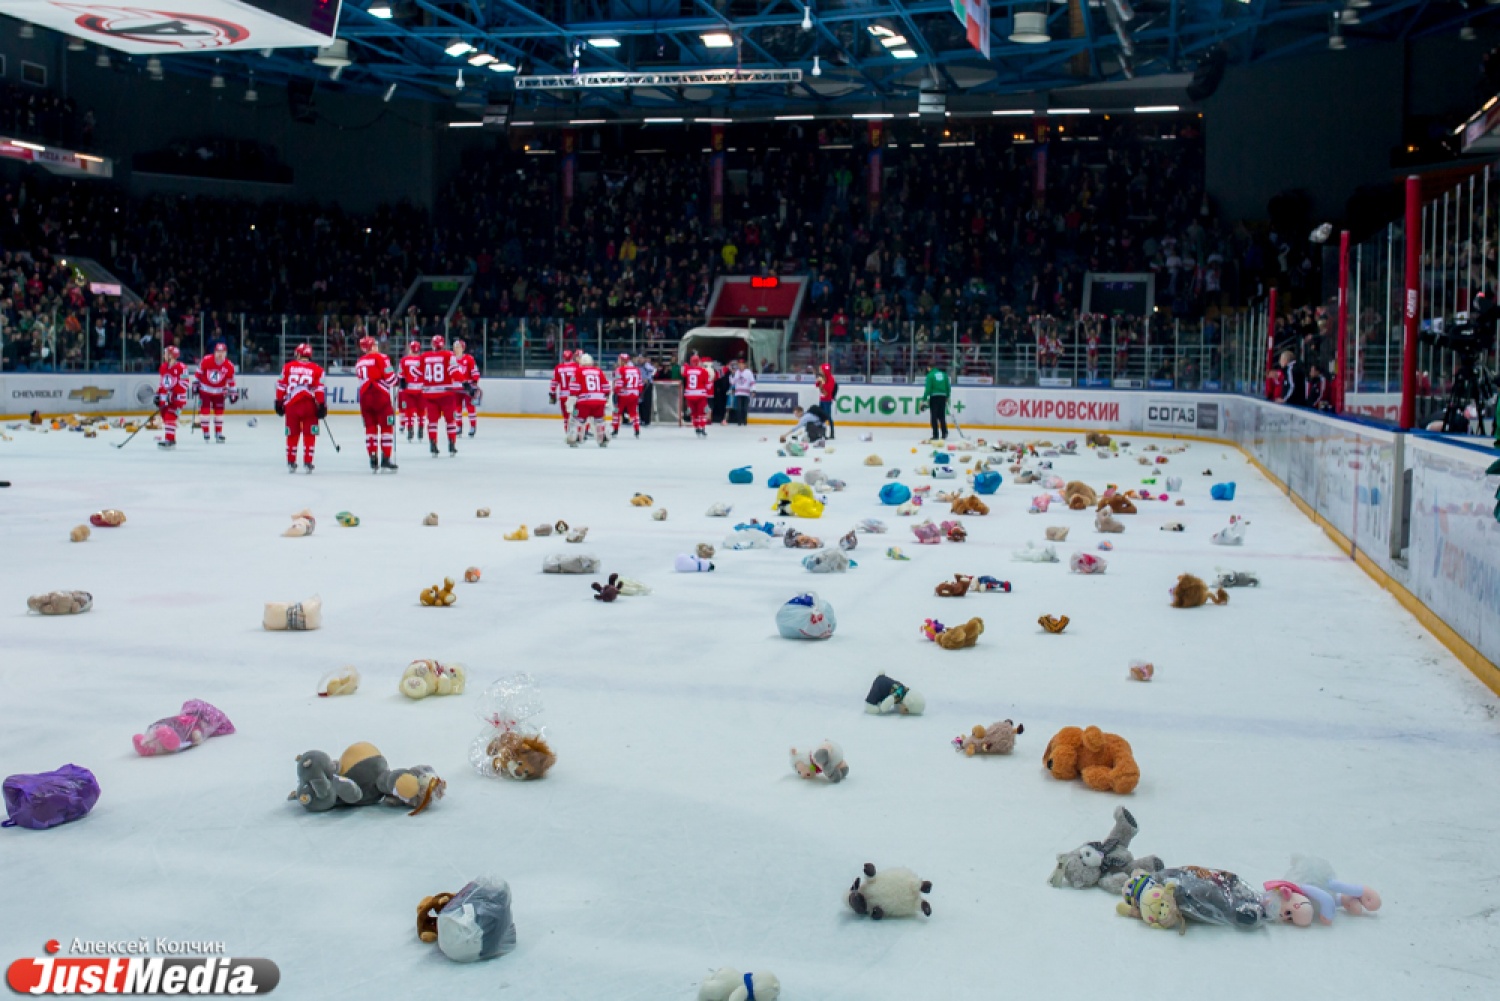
{"points": [[1481, 667]]}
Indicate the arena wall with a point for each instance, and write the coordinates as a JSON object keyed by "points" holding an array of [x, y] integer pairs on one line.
{"points": [[1439, 555]]}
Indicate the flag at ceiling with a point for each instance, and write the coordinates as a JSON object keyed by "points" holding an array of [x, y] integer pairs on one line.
{"points": [[975, 15]]}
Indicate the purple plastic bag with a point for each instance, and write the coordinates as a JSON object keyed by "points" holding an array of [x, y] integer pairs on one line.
{"points": [[50, 798]]}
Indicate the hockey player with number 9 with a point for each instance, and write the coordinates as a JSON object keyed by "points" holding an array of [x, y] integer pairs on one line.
{"points": [[301, 400], [376, 379]]}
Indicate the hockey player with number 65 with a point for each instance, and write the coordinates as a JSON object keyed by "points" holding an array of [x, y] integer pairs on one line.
{"points": [[302, 401]]}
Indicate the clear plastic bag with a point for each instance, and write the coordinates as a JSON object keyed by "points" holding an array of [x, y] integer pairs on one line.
{"points": [[509, 708], [477, 924]]}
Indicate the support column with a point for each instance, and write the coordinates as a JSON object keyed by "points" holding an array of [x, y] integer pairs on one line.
{"points": [[1411, 312], [1341, 353], [1270, 340]]}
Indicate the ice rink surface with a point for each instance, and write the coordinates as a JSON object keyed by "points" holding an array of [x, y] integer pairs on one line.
{"points": [[1310, 715]]}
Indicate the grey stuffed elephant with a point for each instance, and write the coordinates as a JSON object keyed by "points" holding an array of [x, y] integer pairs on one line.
{"points": [[320, 786], [1108, 863]]}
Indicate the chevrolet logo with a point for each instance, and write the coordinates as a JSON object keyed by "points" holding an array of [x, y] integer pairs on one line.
{"points": [[91, 394]]}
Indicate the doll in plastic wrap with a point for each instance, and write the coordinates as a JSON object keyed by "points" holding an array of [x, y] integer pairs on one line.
{"points": [[476, 924], [197, 722], [512, 743], [1205, 896]]}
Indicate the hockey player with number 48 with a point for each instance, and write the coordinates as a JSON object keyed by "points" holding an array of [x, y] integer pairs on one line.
{"points": [[301, 400], [440, 390], [376, 380]]}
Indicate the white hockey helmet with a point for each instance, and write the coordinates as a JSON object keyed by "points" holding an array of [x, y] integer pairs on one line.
{"points": [[584, 358]]}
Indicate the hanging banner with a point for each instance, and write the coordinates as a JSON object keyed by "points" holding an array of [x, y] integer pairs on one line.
{"points": [[876, 166], [569, 168], [716, 174], [187, 25]]}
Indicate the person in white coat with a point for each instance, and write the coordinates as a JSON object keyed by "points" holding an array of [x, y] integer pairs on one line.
{"points": [[742, 384]]}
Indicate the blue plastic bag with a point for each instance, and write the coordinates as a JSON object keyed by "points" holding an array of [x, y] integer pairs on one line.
{"points": [[1222, 491], [741, 475], [777, 479], [895, 493], [987, 482]]}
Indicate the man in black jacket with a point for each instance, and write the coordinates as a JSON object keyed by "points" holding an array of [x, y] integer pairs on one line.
{"points": [[1293, 381]]}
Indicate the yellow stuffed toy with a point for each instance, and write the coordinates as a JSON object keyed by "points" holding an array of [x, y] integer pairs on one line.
{"points": [[798, 500], [439, 597]]}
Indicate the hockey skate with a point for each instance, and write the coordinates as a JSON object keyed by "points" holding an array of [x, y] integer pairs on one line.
{"points": [[291, 466], [374, 464], [166, 444], [452, 446], [637, 432], [219, 439], [307, 467], [603, 439], [386, 463], [410, 432], [471, 432], [433, 443]]}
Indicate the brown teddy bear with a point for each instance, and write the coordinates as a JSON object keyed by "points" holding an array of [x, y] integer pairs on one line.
{"points": [[520, 756], [439, 597], [1118, 503], [997, 738], [959, 637], [1095, 439], [1106, 522], [1079, 495], [1103, 760], [427, 912], [60, 602], [1190, 592], [969, 505], [955, 588]]}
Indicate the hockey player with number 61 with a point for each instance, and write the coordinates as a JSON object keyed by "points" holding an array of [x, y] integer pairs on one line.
{"points": [[593, 394]]}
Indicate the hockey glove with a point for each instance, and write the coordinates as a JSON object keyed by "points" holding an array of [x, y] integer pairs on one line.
{"points": [[552, 398], [280, 409], [234, 396], [322, 411]]}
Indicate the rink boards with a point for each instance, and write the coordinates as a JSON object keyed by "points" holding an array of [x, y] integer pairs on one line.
{"points": [[1442, 558]]}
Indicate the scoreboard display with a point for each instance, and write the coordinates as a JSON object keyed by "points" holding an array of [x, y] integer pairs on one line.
{"points": [[1119, 294]]}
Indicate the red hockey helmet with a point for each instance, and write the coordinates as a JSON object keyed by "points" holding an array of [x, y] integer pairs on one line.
{"points": [[220, 346], [303, 350], [367, 344], [438, 343], [624, 358], [414, 347], [567, 354], [171, 353], [460, 345]]}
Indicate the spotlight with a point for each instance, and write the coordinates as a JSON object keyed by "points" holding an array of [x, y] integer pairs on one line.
{"points": [[76, 45], [807, 17], [817, 69], [216, 82], [153, 68], [27, 31], [102, 60], [459, 83]]}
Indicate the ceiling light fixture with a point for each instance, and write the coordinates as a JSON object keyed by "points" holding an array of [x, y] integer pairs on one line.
{"points": [[605, 43], [216, 82], [102, 60], [153, 68], [661, 121], [1028, 27], [482, 59], [713, 121], [27, 32], [501, 67], [1068, 111], [717, 40], [794, 118], [1012, 111], [806, 17], [76, 44], [466, 125], [459, 82], [586, 121], [30, 146], [250, 95], [458, 47], [390, 92], [904, 53], [381, 9], [817, 69], [872, 115], [333, 55], [1152, 109]]}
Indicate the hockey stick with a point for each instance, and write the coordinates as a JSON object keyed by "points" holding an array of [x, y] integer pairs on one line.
{"points": [[323, 423], [140, 428]]}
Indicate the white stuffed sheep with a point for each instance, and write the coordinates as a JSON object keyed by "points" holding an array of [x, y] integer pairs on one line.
{"points": [[731, 985]]}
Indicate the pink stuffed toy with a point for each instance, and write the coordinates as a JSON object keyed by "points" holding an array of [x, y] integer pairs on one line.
{"points": [[1311, 889], [197, 722], [931, 628], [1087, 563], [1040, 503], [927, 533]]}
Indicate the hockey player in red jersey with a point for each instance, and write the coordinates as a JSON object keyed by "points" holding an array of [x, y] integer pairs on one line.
{"points": [[469, 393], [413, 405], [376, 380], [627, 387], [171, 393], [213, 382], [588, 408], [440, 390], [697, 387], [564, 385], [300, 398]]}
